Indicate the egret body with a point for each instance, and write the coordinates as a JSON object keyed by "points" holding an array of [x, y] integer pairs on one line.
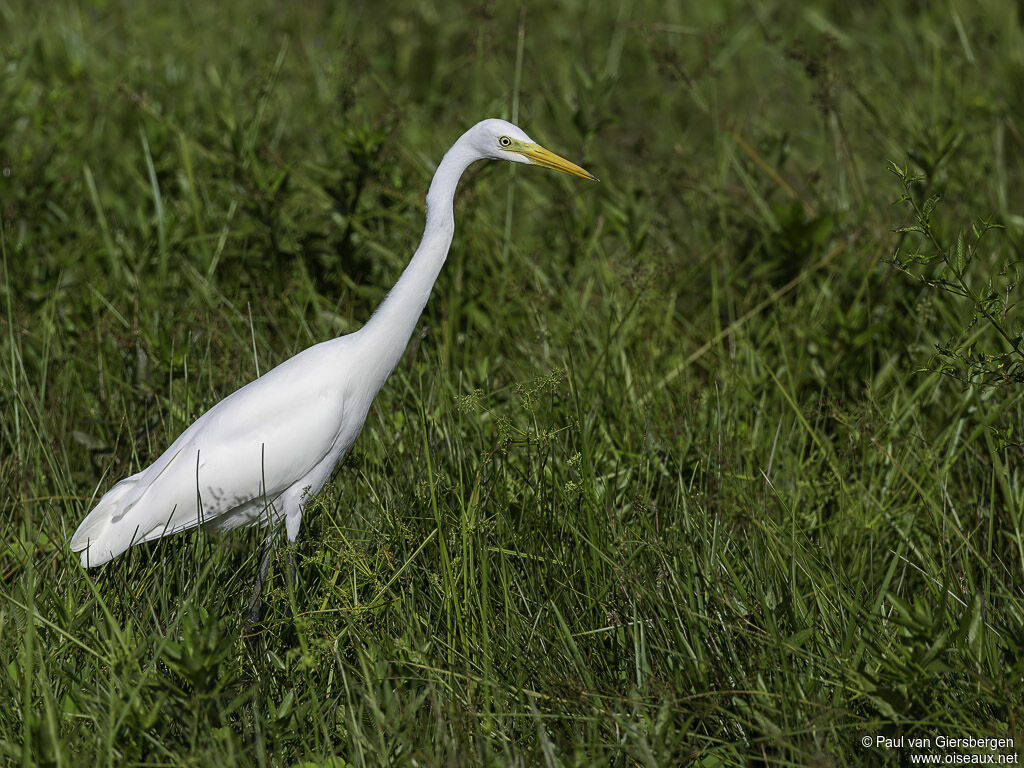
{"points": [[261, 453]]}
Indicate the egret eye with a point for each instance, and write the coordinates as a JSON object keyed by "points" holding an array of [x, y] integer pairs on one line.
{"points": [[505, 141]]}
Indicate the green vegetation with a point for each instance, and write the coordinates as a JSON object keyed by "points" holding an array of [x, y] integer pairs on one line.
{"points": [[681, 468]]}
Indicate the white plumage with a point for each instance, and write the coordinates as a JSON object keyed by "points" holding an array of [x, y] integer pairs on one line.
{"points": [[259, 454]]}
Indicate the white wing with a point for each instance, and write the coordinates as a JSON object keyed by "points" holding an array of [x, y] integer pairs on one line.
{"points": [[246, 450]]}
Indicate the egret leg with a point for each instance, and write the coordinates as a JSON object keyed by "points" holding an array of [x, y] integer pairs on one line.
{"points": [[256, 601], [292, 582]]}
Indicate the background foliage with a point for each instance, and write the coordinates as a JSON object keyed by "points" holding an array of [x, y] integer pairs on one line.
{"points": [[679, 468]]}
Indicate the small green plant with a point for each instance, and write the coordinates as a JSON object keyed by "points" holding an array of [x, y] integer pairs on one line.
{"points": [[970, 355]]}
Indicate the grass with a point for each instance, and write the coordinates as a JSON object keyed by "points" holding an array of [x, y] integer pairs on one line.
{"points": [[669, 474]]}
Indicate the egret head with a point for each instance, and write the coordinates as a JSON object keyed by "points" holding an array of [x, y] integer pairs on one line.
{"points": [[501, 140]]}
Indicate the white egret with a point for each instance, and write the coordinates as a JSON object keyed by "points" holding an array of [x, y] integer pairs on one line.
{"points": [[261, 453]]}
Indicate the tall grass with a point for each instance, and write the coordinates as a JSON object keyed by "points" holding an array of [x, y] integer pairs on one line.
{"points": [[666, 476]]}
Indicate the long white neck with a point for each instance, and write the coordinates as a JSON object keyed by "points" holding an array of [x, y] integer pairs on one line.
{"points": [[394, 321]]}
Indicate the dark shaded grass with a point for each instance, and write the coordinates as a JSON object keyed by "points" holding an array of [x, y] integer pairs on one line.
{"points": [[660, 480]]}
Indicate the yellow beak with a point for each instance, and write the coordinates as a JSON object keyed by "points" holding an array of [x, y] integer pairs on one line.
{"points": [[539, 156]]}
